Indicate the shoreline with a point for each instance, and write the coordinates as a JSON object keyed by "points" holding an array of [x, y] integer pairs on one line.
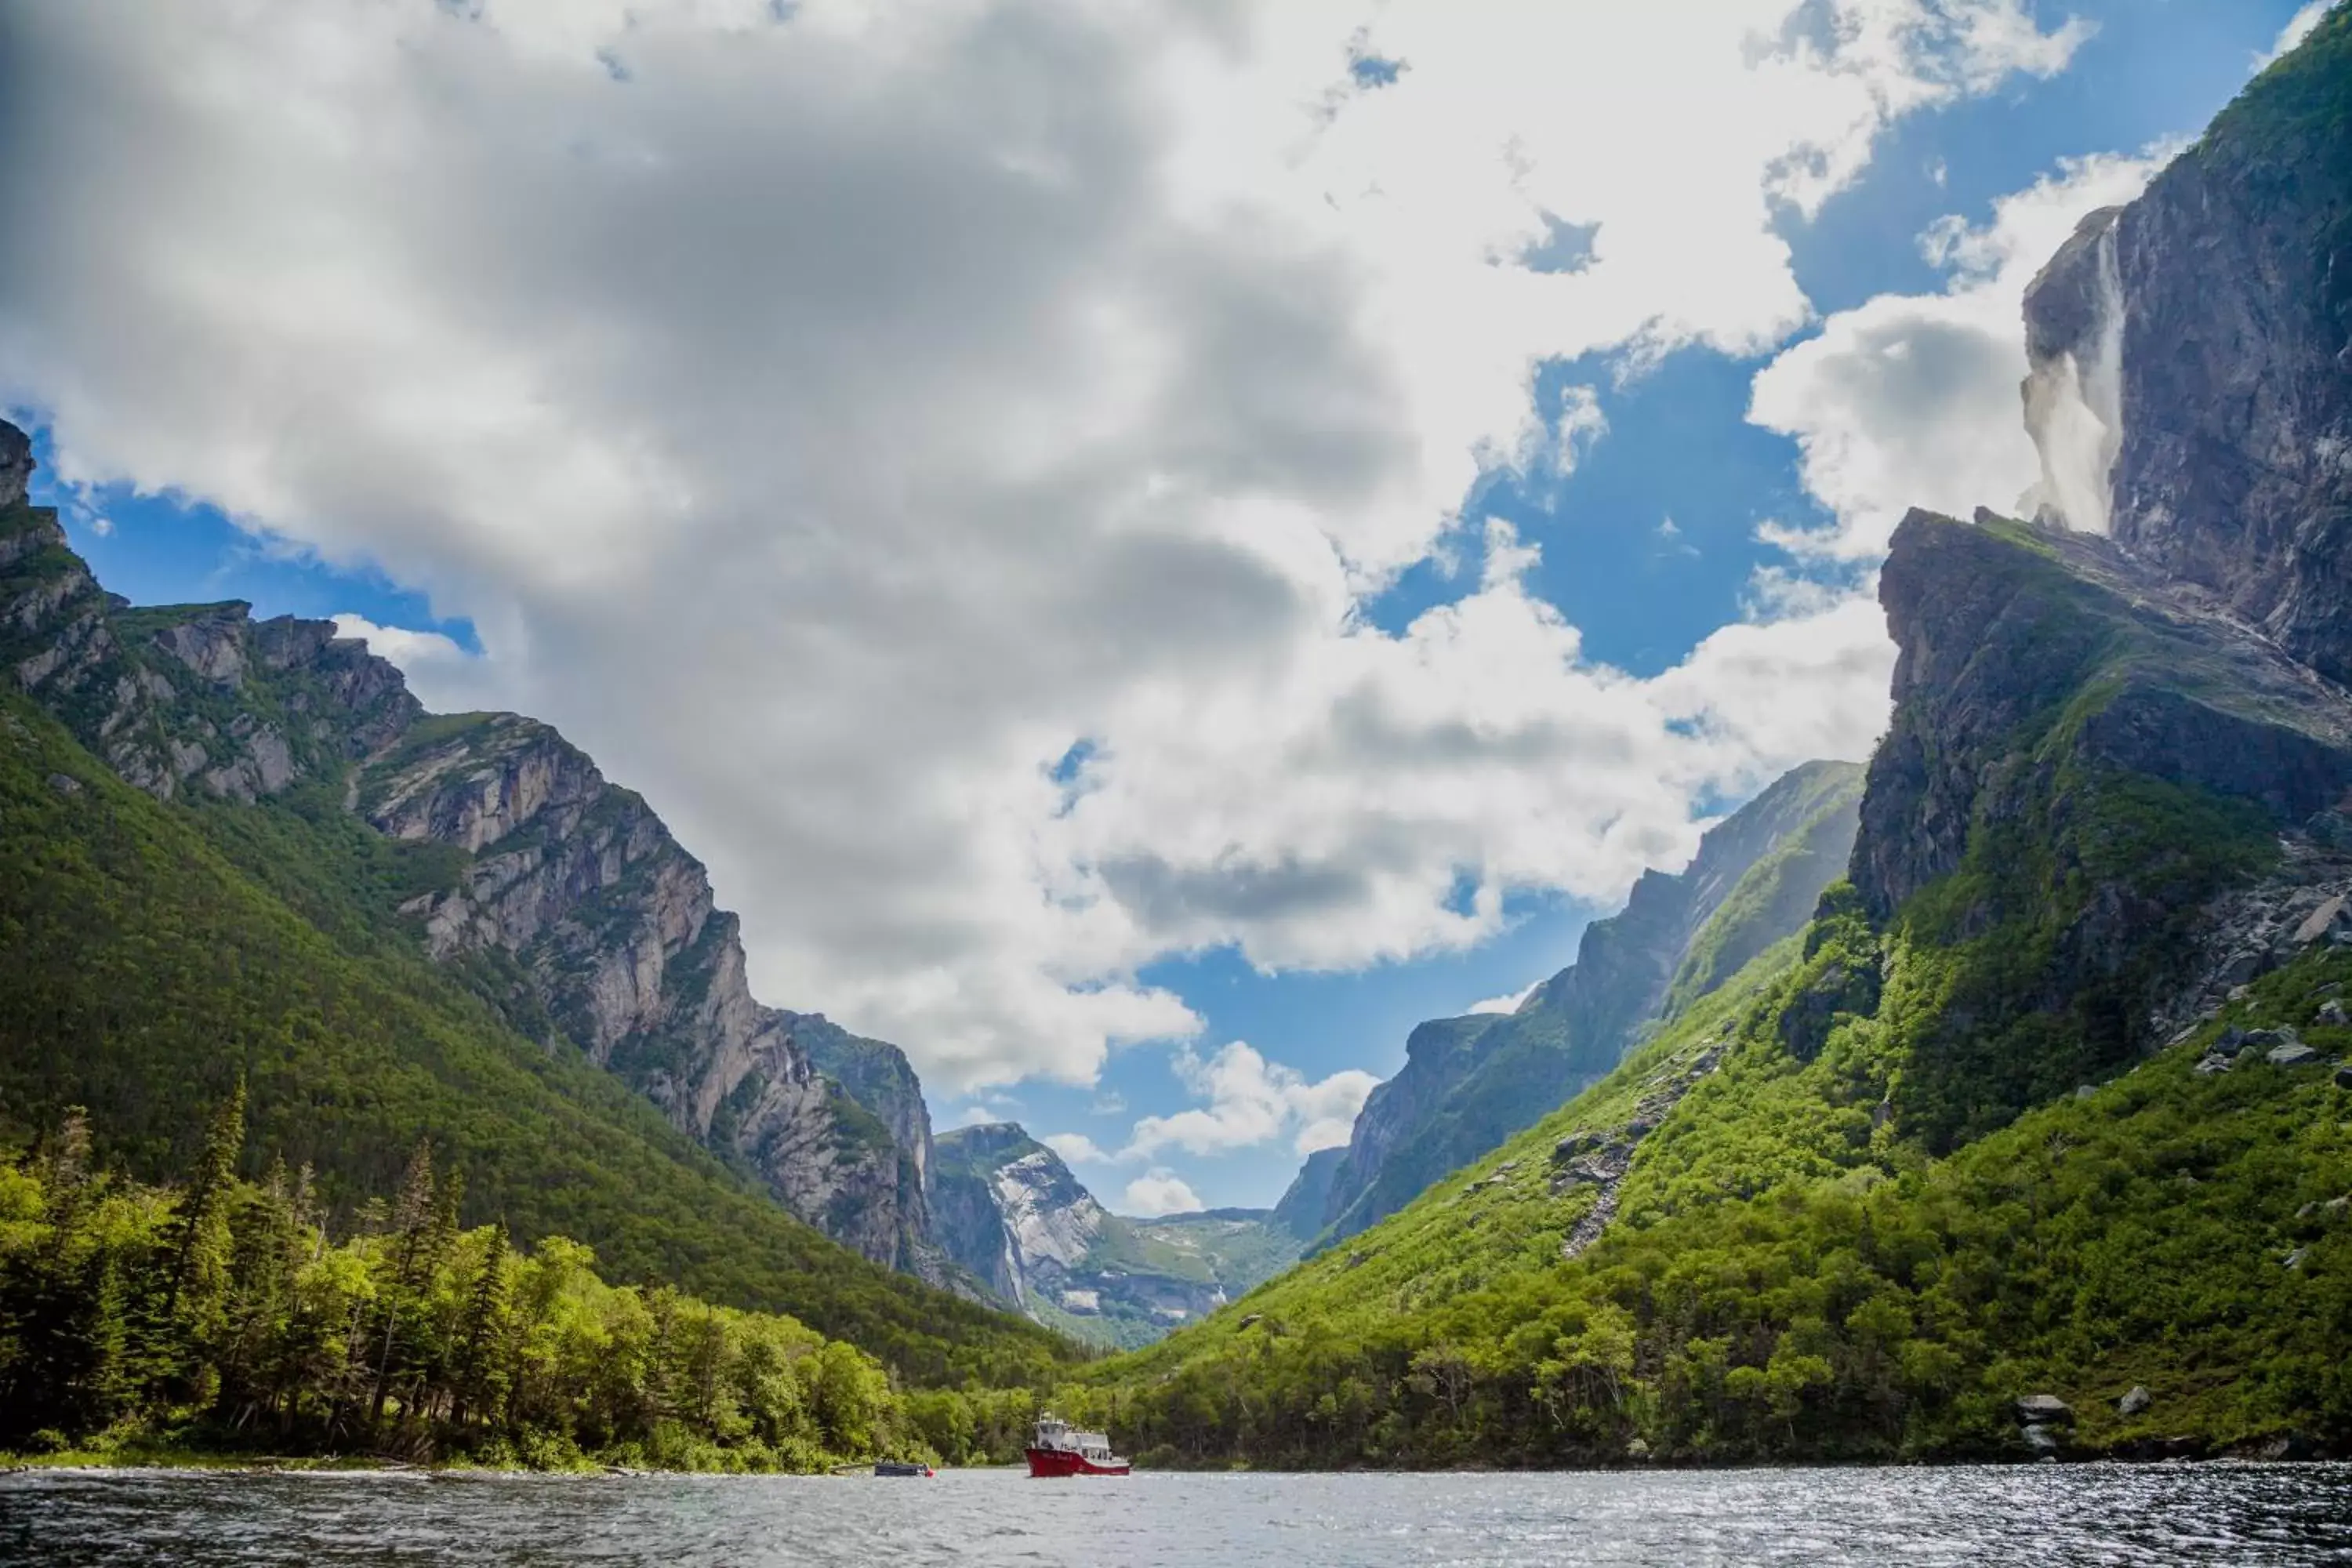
{"points": [[150, 1463]]}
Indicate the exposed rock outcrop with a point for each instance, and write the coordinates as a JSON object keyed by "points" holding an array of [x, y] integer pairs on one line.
{"points": [[1006, 1209], [610, 924], [2233, 470], [2009, 634], [1309, 1196], [188, 696], [2103, 796], [16, 465]]}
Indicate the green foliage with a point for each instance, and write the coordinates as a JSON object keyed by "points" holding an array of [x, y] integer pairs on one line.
{"points": [[1786, 1279], [1491, 1075], [1777, 894], [1885, 1213], [2022, 973], [160, 954], [2301, 104], [220, 1316]]}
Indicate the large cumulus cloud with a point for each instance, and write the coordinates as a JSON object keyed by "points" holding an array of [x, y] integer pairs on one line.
{"points": [[940, 452]]}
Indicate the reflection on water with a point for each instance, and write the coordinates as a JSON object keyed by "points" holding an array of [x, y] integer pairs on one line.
{"points": [[2238, 1514]]}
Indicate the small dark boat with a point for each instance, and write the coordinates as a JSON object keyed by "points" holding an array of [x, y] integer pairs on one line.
{"points": [[899, 1468]]}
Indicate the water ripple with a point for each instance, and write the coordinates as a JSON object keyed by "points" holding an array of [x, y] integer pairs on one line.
{"points": [[2249, 1515]]}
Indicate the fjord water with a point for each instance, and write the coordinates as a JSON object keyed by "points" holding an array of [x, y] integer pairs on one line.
{"points": [[2107, 1514]]}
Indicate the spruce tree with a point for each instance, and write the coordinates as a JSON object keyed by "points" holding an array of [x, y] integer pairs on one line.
{"points": [[200, 1248], [201, 1240], [412, 1217], [480, 1370]]}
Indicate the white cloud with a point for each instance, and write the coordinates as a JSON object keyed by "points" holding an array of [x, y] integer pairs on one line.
{"points": [[2298, 27], [979, 1112], [829, 421], [1251, 1101], [1156, 1192], [1912, 400], [412, 650], [1510, 1004], [444, 675], [1075, 1147]]}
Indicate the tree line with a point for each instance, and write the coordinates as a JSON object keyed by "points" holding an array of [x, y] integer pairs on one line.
{"points": [[218, 1313]]}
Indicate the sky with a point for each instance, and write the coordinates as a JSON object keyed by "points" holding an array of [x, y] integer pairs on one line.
{"points": [[1149, 548]]}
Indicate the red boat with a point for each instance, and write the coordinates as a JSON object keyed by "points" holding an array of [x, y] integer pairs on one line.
{"points": [[1058, 1449]]}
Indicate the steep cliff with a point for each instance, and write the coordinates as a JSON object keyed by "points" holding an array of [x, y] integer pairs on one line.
{"points": [[1006, 1209], [1469, 1083], [164, 946], [2084, 756], [606, 928], [1305, 1202], [2231, 282], [878, 1078]]}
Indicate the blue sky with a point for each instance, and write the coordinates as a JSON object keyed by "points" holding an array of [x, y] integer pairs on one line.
{"points": [[1641, 594]]}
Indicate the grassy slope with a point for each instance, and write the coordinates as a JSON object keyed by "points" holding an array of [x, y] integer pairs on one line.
{"points": [[156, 952], [1241, 1249], [1773, 896]]}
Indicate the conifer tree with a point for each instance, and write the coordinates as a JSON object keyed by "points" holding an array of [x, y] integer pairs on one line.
{"points": [[200, 1248], [201, 1240], [412, 1217], [480, 1372]]}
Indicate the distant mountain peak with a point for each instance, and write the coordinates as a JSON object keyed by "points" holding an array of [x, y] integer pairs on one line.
{"points": [[1010, 1210]]}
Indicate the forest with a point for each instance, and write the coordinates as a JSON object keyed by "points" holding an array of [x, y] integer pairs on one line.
{"points": [[1786, 1279], [218, 1317]]}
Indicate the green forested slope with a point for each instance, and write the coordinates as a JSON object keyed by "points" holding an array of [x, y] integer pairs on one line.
{"points": [[1786, 1281], [155, 954]]}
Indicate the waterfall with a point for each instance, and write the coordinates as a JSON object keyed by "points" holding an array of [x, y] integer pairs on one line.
{"points": [[2074, 407]]}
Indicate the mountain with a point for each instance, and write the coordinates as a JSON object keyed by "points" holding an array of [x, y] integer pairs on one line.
{"points": [[561, 893], [1470, 1082], [1242, 1248], [241, 846], [1011, 1212], [2224, 300], [884, 1094], [2037, 1141]]}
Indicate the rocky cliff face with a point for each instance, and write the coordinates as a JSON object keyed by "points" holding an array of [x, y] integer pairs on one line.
{"points": [[1308, 1197], [16, 465], [2116, 782], [2103, 800], [614, 922], [2232, 468], [1469, 1083], [1012, 1214], [877, 1075], [1007, 1209], [192, 698], [2024, 652], [611, 922]]}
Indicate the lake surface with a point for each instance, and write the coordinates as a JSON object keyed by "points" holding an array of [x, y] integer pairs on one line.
{"points": [[2238, 1514]]}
